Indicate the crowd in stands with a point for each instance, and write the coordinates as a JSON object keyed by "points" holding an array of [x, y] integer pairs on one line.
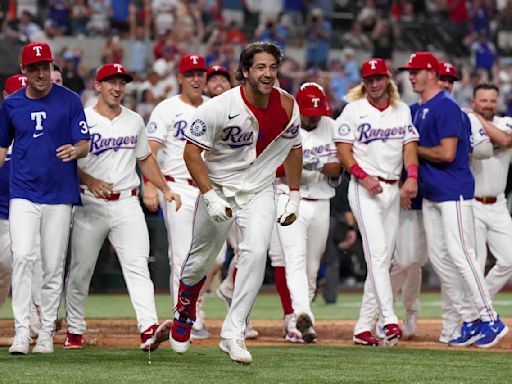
{"points": [[158, 32]]}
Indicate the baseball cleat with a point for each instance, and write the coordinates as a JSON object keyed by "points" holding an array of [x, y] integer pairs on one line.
{"points": [[200, 334], [73, 341], [305, 327], [250, 332], [491, 332], [291, 333], [365, 338], [392, 334], [44, 343], [20, 345], [180, 335], [236, 349], [468, 334], [151, 339]]}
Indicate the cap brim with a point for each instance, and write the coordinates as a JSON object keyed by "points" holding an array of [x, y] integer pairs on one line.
{"points": [[37, 61], [128, 78], [313, 112]]}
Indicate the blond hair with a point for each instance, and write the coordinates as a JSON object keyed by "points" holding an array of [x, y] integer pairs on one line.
{"points": [[359, 91]]}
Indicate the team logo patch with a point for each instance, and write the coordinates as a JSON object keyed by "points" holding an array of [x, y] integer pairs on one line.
{"points": [[198, 127], [151, 127], [291, 133], [344, 129]]}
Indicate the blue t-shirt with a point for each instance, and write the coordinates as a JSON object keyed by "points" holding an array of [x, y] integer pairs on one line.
{"points": [[38, 127], [440, 118]]}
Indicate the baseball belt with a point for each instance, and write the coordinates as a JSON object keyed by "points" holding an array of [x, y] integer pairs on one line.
{"points": [[113, 196], [486, 199], [189, 181]]}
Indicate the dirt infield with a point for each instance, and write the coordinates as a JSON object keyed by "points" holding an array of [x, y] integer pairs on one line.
{"points": [[123, 333]]}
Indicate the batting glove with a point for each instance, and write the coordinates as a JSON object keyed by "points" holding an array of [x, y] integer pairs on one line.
{"points": [[218, 209], [291, 210]]}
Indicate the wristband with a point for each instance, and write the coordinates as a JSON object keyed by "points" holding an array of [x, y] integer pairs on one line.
{"points": [[358, 172], [412, 171]]}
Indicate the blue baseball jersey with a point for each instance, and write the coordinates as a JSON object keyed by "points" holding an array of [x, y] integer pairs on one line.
{"points": [[38, 127], [437, 119]]}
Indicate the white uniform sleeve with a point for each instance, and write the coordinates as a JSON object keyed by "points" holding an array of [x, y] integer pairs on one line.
{"points": [[158, 123], [411, 133], [482, 146], [142, 149], [292, 130], [345, 128], [204, 125]]}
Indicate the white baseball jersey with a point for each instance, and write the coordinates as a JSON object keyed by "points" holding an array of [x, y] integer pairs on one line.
{"points": [[480, 142], [167, 125], [115, 147], [318, 148], [377, 137], [228, 130], [491, 174]]}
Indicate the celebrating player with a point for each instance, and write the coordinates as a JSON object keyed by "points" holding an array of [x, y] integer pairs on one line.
{"points": [[110, 208], [218, 80], [448, 189], [493, 222], [247, 132], [303, 243], [375, 137], [48, 126]]}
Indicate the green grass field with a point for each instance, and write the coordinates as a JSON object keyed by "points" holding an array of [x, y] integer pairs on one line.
{"points": [[279, 364], [267, 307]]}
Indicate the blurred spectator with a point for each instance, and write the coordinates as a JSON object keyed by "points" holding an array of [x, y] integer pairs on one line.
{"points": [[23, 29], [58, 20], [458, 17], [368, 16], [99, 21], [80, 14], [214, 45], [211, 11], [287, 75], [355, 38], [146, 105], [234, 34], [338, 80], [504, 28], [163, 39], [402, 10], [188, 26], [70, 75], [163, 14], [139, 44], [351, 67], [318, 40], [480, 13], [89, 96], [483, 52], [272, 31], [269, 9], [326, 6], [232, 10], [165, 65], [120, 16], [464, 93], [112, 51], [383, 38]]}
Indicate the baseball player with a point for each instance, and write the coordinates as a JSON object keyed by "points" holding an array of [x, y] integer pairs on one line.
{"points": [[165, 131], [375, 138], [448, 189], [247, 133], [109, 185], [218, 80], [492, 219], [303, 242], [49, 129]]}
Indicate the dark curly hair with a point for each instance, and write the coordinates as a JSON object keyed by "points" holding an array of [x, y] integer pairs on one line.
{"points": [[247, 56]]}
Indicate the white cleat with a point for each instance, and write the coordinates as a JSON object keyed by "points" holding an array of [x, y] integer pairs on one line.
{"points": [[44, 343], [178, 346], [20, 345], [236, 349]]}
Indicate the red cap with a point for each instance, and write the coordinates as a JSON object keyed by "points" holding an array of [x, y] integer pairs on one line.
{"points": [[422, 60], [14, 82], [312, 100], [191, 62], [108, 70], [218, 70], [36, 52], [448, 69], [374, 67]]}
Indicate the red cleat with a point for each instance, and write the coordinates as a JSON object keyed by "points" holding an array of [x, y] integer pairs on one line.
{"points": [[365, 338], [392, 334], [74, 341]]}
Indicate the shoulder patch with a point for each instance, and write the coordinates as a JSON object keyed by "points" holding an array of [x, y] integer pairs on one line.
{"points": [[151, 127], [198, 127]]}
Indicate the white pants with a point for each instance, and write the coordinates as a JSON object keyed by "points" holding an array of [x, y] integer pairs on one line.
{"points": [[303, 244], [255, 221], [377, 217], [409, 256], [494, 229], [450, 231], [123, 222], [26, 221]]}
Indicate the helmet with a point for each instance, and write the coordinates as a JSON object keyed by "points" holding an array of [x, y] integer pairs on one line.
{"points": [[312, 99]]}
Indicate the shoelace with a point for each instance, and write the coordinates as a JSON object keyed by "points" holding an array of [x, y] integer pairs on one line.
{"points": [[240, 343]]}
